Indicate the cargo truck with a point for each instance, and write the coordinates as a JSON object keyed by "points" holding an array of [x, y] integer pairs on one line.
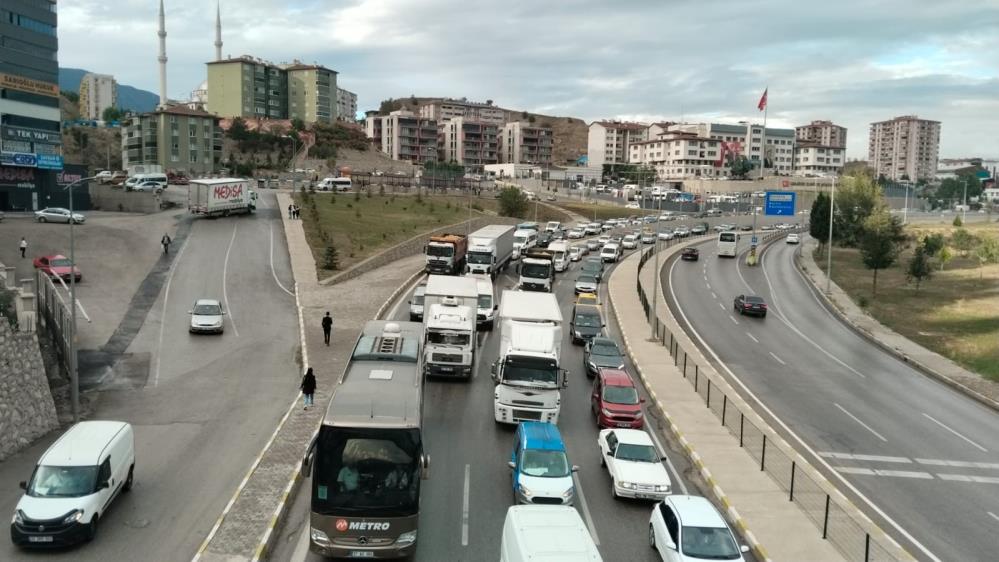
{"points": [[490, 249], [527, 374], [220, 197], [446, 254], [449, 320], [537, 270]]}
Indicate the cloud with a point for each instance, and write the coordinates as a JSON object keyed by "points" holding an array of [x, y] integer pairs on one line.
{"points": [[849, 61]]}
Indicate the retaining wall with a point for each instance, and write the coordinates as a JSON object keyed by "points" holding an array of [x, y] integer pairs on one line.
{"points": [[107, 198], [27, 410]]}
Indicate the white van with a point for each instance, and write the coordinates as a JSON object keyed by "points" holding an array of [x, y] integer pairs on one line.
{"points": [[135, 180], [486, 307], [74, 483], [336, 184], [561, 255], [523, 240], [610, 252], [546, 532]]}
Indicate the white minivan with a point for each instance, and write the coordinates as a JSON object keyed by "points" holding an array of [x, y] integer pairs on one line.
{"points": [[546, 532], [610, 252], [74, 483], [135, 180], [486, 307]]}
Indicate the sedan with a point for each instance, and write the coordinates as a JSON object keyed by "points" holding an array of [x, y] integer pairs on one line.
{"points": [[695, 532], [593, 244], [152, 186], [602, 353], [58, 266], [649, 238], [594, 267], [793, 238], [576, 253], [698, 230], [746, 227], [634, 464], [750, 304], [575, 233], [206, 317], [682, 231], [666, 235], [58, 214], [586, 283], [690, 254]]}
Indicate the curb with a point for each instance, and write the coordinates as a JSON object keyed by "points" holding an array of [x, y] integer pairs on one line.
{"points": [[402, 289]]}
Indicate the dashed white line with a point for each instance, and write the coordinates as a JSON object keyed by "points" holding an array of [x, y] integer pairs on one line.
{"points": [[871, 458], [586, 511], [225, 271], [960, 464], [713, 295], [709, 286], [856, 419], [966, 478], [464, 508], [736, 322], [941, 424], [721, 306], [890, 473], [166, 297], [993, 515], [752, 337], [777, 359]]}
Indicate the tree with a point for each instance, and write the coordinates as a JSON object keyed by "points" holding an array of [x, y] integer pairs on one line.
{"points": [[944, 255], [741, 166], [858, 199], [331, 258], [512, 202], [880, 241], [958, 222], [963, 241], [297, 125], [933, 243], [818, 226], [237, 130], [991, 247], [112, 114], [919, 269]]}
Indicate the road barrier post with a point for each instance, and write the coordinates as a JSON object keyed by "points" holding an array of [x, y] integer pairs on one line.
{"points": [[709, 394], [724, 407], [825, 520], [791, 498], [763, 454], [742, 422]]}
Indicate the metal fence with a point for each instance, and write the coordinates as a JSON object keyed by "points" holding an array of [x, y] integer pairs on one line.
{"points": [[834, 521], [54, 319]]}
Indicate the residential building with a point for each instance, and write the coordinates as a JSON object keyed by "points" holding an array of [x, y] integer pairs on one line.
{"points": [[521, 143], [249, 87], [470, 143], [30, 138], [97, 93], [746, 140], [824, 133], [812, 159], [403, 135], [373, 127], [679, 155], [312, 93], [178, 138], [949, 167], [905, 147], [609, 142], [444, 110], [346, 105]]}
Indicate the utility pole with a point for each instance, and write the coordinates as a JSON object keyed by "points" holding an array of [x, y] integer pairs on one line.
{"points": [[655, 274], [74, 378], [832, 206], [964, 207]]}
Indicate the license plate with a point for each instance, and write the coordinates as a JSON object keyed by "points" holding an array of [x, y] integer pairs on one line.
{"points": [[362, 554], [39, 539], [645, 496], [447, 369], [622, 424]]}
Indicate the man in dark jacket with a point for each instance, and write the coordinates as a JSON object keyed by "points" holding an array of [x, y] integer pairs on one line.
{"points": [[308, 387], [327, 328]]}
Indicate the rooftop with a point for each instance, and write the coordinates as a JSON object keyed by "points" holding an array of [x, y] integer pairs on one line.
{"points": [[626, 125], [182, 110]]}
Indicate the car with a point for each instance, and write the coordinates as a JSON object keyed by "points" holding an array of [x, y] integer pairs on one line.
{"points": [[592, 228], [593, 244], [575, 233], [688, 528], [767, 227], [586, 283], [416, 303], [544, 239], [793, 238], [587, 298], [610, 253], [58, 266], [632, 206], [746, 227], [551, 198], [630, 242], [682, 231], [577, 252], [586, 323], [648, 238], [690, 254], [148, 185], [104, 176], [540, 469], [666, 235], [614, 400], [750, 304], [602, 353], [207, 317], [604, 240], [634, 464], [595, 267], [58, 214], [608, 225], [698, 229]]}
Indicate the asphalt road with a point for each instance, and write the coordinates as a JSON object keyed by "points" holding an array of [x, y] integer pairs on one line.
{"points": [[463, 441], [202, 406], [924, 454]]}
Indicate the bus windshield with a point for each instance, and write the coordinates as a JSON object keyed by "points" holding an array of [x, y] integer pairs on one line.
{"points": [[727, 237]]}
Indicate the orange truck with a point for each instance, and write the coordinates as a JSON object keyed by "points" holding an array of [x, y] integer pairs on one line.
{"points": [[446, 254]]}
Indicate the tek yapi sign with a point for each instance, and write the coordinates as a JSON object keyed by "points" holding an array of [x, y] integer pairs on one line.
{"points": [[780, 203]]}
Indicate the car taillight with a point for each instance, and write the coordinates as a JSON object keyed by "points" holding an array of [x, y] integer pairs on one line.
{"points": [[764, 305], [747, 305]]}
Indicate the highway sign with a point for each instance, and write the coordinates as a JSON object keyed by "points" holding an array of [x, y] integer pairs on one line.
{"points": [[779, 203], [754, 240]]}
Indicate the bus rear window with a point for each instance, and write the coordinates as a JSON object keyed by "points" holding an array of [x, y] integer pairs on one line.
{"points": [[727, 237]]}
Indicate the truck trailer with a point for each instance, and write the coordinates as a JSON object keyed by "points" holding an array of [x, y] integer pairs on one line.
{"points": [[220, 197], [490, 249]]}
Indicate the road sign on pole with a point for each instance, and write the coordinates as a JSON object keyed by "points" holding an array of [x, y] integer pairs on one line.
{"points": [[754, 240], [779, 203]]}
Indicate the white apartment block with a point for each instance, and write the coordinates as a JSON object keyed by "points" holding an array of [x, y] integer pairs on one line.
{"points": [[346, 105], [609, 142], [905, 147], [403, 135], [472, 144], [812, 159], [443, 111], [747, 140], [680, 155], [521, 143], [97, 93], [825, 133]]}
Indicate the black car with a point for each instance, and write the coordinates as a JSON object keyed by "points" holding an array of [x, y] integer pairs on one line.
{"points": [[594, 267], [586, 324], [746, 227], [751, 304], [544, 239], [690, 254], [602, 353]]}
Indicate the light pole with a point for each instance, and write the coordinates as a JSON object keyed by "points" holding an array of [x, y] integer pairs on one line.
{"points": [[294, 149], [905, 209], [832, 205], [74, 379], [964, 207], [655, 271]]}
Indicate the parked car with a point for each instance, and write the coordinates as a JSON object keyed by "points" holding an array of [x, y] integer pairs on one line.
{"points": [[632, 206], [58, 266], [634, 464], [689, 528], [793, 238], [207, 317], [602, 353], [690, 254], [58, 214], [750, 304], [151, 186], [614, 400], [586, 283]]}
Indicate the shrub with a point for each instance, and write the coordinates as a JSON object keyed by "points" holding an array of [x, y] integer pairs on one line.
{"points": [[333, 200], [331, 259], [958, 222], [477, 207]]}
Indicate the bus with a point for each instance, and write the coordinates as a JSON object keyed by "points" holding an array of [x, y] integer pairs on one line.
{"points": [[367, 459], [728, 244]]}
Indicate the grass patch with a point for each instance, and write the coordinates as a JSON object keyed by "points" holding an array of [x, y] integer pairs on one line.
{"points": [[602, 212], [956, 313]]}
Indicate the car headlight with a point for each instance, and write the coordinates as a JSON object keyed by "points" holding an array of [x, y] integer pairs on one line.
{"points": [[525, 491], [406, 539], [18, 518], [569, 493], [663, 488], [592, 365], [577, 334], [639, 414], [627, 485], [621, 366], [606, 412], [319, 537], [73, 517]]}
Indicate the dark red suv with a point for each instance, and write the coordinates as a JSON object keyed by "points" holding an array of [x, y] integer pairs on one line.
{"points": [[615, 401]]}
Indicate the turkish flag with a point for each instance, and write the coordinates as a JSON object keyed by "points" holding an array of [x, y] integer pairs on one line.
{"points": [[763, 101]]}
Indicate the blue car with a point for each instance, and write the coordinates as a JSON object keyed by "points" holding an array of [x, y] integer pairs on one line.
{"points": [[541, 470]]}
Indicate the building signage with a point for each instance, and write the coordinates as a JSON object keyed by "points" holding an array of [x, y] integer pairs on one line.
{"points": [[18, 159], [49, 161], [30, 135], [19, 177], [65, 178], [22, 84]]}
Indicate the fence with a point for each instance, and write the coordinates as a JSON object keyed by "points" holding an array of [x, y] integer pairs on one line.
{"points": [[54, 319], [835, 522]]}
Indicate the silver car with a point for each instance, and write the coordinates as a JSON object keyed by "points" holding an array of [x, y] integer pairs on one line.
{"points": [[58, 214], [593, 244], [206, 317]]}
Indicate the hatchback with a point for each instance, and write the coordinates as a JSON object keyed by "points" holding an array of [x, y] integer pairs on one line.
{"points": [[687, 528], [206, 317], [614, 400]]}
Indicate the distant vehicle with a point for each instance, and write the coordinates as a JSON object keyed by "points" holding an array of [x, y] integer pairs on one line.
{"points": [[416, 303], [793, 238], [698, 229], [759, 194], [634, 464], [158, 177], [58, 214], [58, 266], [552, 226], [689, 528], [750, 304], [665, 235], [593, 244], [767, 227], [545, 238], [630, 242], [690, 254], [541, 472], [648, 237], [586, 283], [610, 253], [682, 231], [713, 212], [728, 244], [746, 228], [602, 353], [632, 206], [577, 252], [595, 267], [575, 233], [615, 401], [593, 228], [523, 240], [335, 184], [486, 307], [150, 186], [551, 198], [220, 197], [604, 240], [207, 317], [104, 176], [560, 251], [537, 270]]}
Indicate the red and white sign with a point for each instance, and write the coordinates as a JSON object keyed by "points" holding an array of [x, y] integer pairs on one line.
{"points": [[227, 192], [341, 525]]}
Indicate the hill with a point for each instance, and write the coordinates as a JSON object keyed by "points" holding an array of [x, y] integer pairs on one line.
{"points": [[129, 97]]}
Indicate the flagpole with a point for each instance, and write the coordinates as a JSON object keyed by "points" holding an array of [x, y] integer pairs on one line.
{"points": [[766, 107]]}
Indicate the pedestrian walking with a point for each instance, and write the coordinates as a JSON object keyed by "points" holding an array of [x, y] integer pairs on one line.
{"points": [[298, 212], [308, 387], [327, 328], [291, 211], [23, 246], [166, 241]]}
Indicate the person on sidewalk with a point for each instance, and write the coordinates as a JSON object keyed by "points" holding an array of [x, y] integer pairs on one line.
{"points": [[23, 246], [291, 211], [327, 328], [308, 387], [166, 241]]}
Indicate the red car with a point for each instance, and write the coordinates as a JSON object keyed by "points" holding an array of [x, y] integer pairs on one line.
{"points": [[615, 401], [58, 266]]}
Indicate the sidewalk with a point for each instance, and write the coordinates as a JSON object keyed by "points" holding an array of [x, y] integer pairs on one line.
{"points": [[246, 528], [775, 528], [934, 364]]}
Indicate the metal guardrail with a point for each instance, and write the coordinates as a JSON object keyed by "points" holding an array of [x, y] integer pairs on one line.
{"points": [[834, 520]]}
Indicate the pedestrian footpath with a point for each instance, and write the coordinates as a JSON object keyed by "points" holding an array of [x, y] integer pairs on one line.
{"points": [[246, 528]]}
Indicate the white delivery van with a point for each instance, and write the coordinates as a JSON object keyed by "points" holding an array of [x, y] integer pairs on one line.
{"points": [[486, 308], [335, 184], [546, 532], [561, 257], [74, 483]]}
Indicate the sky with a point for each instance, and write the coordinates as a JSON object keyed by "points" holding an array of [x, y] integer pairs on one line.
{"points": [[849, 61]]}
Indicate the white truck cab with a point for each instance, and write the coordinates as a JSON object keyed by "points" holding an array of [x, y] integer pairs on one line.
{"points": [[546, 532], [450, 339]]}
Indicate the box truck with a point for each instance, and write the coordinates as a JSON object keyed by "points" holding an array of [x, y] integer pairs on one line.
{"points": [[490, 249], [220, 197]]}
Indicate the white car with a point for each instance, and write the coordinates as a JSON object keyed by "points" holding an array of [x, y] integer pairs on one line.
{"points": [[592, 228], [665, 235], [630, 242], [610, 252], [632, 206], [576, 253], [206, 317], [604, 240], [149, 185], [575, 233], [689, 528], [58, 214], [634, 464], [793, 238], [649, 238]]}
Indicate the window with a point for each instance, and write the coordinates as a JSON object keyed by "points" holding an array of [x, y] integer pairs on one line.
{"points": [[672, 526]]}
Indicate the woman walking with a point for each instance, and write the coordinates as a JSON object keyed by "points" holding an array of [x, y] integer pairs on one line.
{"points": [[308, 387]]}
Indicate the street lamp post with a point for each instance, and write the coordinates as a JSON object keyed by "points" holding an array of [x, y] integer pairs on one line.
{"points": [[294, 149], [74, 379], [832, 206], [655, 271], [964, 207], [905, 209]]}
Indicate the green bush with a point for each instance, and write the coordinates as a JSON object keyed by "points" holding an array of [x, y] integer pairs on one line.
{"points": [[331, 259], [958, 222]]}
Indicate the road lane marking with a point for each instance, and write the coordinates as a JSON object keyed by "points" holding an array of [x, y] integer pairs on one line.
{"points": [[669, 463], [225, 271], [941, 424], [856, 419], [993, 515], [273, 272], [721, 306], [871, 458], [302, 547], [166, 297], [778, 359], [966, 478], [709, 286], [960, 464], [714, 295], [736, 322], [464, 509], [752, 337], [889, 473], [586, 511]]}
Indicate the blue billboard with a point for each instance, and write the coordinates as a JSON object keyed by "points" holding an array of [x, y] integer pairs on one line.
{"points": [[779, 203]]}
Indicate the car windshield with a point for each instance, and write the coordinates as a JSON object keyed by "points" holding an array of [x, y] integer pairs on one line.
{"points": [[587, 320], [62, 481], [712, 543], [545, 464], [62, 262], [586, 280], [638, 453], [604, 349], [620, 395], [485, 301], [418, 299], [207, 310]]}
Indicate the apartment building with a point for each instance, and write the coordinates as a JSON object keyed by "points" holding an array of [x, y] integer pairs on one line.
{"points": [[905, 147], [346, 105], [178, 138], [249, 87], [373, 127], [812, 159], [609, 142], [403, 135], [312, 93], [97, 93], [472, 144], [444, 110], [679, 155], [521, 143], [747, 140], [824, 133]]}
